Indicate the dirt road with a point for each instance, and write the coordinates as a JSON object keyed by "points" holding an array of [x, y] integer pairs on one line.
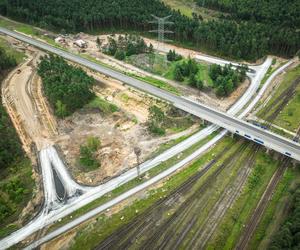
{"points": [[22, 97]]}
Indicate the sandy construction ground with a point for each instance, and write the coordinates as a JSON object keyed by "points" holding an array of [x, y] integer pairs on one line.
{"points": [[119, 132]]}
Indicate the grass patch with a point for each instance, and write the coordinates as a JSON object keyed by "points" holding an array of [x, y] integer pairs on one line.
{"points": [[161, 121], [102, 105], [166, 69], [276, 211], [19, 56], [288, 118], [188, 7], [21, 27], [170, 144], [270, 71], [157, 83], [150, 80], [242, 209]]}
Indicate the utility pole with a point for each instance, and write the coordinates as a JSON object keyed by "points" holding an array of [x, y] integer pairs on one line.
{"points": [[138, 152], [161, 31]]}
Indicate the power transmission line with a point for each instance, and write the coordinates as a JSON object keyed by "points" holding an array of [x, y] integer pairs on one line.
{"points": [[161, 31], [161, 23]]}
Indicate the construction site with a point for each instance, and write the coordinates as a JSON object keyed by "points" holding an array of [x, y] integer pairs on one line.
{"points": [[189, 181]]}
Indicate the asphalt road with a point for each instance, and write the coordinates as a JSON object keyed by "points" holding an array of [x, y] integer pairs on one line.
{"points": [[234, 109], [251, 132], [53, 213]]}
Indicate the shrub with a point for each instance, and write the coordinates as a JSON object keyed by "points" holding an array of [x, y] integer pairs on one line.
{"points": [[87, 154]]}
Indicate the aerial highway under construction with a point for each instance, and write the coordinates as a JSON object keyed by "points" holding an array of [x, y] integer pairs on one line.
{"points": [[227, 121]]}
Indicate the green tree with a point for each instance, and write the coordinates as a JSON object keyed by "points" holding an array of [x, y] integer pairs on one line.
{"points": [[171, 55], [247, 34], [228, 87], [214, 71], [98, 42], [221, 91], [120, 55], [67, 88], [192, 67], [87, 154], [112, 46], [10, 145], [156, 121], [150, 49], [192, 80], [199, 84], [61, 110], [93, 143], [178, 74]]}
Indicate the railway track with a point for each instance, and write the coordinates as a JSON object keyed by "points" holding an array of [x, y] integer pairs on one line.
{"points": [[280, 102], [229, 196], [160, 236], [183, 228], [262, 205], [285, 162]]}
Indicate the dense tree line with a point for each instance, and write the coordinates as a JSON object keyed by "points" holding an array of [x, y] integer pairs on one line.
{"points": [[283, 13], [226, 79], [127, 45], [13, 187], [288, 236], [66, 87], [10, 146], [276, 21], [242, 39]]}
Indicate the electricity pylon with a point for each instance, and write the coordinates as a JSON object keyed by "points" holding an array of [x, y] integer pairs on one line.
{"points": [[161, 23]]}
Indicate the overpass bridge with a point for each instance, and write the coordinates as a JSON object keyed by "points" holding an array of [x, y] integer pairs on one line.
{"points": [[232, 124]]}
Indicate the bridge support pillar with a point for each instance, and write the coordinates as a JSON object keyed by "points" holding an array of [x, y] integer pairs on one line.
{"points": [[268, 151], [295, 163], [276, 156], [204, 123]]}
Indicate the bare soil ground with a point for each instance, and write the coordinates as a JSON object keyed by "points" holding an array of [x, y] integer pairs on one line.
{"points": [[119, 132], [22, 97]]}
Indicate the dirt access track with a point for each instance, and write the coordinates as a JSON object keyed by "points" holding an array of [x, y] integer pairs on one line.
{"points": [[119, 132], [22, 96]]}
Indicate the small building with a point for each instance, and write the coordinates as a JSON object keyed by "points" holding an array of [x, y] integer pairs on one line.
{"points": [[80, 43], [59, 40]]}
